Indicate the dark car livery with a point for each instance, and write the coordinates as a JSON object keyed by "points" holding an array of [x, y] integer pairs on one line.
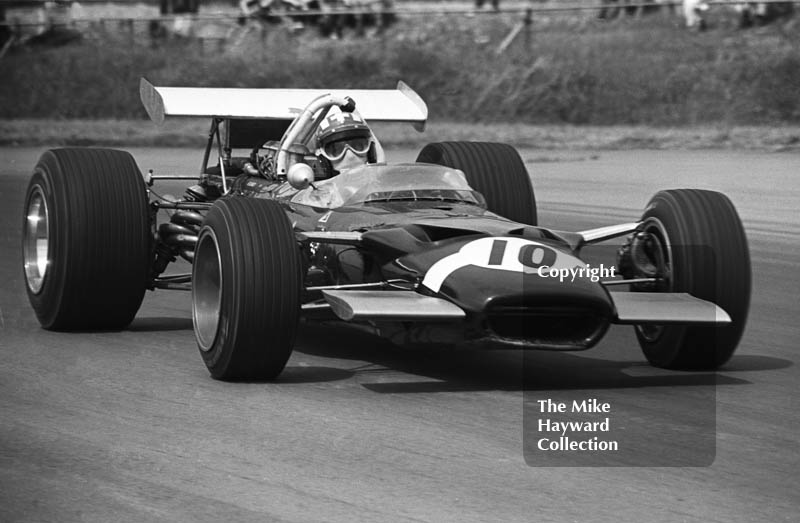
{"points": [[444, 249]]}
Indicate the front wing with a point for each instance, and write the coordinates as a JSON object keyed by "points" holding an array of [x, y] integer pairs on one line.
{"points": [[631, 307]]}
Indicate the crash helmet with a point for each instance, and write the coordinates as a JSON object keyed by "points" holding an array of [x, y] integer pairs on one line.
{"points": [[345, 140]]}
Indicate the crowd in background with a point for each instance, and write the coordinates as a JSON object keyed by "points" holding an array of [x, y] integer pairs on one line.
{"points": [[361, 14]]}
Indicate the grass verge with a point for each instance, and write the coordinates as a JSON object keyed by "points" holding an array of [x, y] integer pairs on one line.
{"points": [[192, 133]]}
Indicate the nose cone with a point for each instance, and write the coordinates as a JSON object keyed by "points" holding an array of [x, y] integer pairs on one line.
{"points": [[522, 289], [476, 289], [483, 269], [529, 310]]}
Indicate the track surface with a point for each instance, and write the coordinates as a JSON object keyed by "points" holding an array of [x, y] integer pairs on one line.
{"points": [[128, 426]]}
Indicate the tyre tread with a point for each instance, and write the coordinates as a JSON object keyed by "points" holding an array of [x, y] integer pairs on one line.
{"points": [[262, 282], [101, 218]]}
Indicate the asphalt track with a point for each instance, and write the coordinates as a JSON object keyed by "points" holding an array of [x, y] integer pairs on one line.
{"points": [[128, 426]]}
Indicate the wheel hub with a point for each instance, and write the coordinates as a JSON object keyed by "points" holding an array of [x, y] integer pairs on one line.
{"points": [[649, 255], [207, 290], [36, 240]]}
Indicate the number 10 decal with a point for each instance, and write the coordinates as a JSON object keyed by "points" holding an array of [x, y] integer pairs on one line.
{"points": [[532, 255], [507, 254]]}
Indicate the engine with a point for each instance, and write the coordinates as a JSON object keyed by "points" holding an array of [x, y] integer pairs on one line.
{"points": [[180, 233]]}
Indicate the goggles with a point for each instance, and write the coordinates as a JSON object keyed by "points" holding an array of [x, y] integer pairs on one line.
{"points": [[336, 149]]}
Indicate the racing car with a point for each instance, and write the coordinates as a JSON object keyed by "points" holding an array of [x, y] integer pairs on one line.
{"points": [[446, 249]]}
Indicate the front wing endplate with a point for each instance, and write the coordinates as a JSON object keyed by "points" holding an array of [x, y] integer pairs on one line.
{"points": [[666, 308]]}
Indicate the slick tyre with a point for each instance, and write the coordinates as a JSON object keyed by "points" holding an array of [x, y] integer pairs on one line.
{"points": [[86, 239], [707, 256], [246, 285], [493, 169]]}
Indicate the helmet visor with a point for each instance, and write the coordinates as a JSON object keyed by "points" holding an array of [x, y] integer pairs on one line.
{"points": [[335, 149]]}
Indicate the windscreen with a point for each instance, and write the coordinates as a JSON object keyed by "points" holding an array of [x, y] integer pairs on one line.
{"points": [[384, 183]]}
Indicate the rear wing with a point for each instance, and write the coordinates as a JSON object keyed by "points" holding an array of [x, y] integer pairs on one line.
{"points": [[280, 106]]}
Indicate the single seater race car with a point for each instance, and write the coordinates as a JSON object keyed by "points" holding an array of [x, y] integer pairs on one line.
{"points": [[444, 249]]}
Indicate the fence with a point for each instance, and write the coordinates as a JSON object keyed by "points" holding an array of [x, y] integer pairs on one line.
{"points": [[437, 9]]}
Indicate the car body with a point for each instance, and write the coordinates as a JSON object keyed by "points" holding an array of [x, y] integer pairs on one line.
{"points": [[445, 249]]}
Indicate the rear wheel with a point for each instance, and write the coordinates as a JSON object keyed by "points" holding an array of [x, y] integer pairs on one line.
{"points": [[699, 240], [86, 239], [493, 169], [246, 285]]}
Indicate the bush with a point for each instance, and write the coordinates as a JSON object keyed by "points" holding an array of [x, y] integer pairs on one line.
{"points": [[567, 70]]}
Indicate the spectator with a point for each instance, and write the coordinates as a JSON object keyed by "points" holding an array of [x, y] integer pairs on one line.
{"points": [[758, 13], [694, 13], [495, 4]]}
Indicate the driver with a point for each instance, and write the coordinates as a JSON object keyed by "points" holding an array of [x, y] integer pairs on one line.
{"points": [[346, 141]]}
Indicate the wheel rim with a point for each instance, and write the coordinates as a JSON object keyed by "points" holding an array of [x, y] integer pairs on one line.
{"points": [[652, 333], [206, 289], [36, 242]]}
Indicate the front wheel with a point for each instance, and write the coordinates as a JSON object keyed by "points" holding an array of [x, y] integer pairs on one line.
{"points": [[697, 239], [86, 239], [246, 285]]}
